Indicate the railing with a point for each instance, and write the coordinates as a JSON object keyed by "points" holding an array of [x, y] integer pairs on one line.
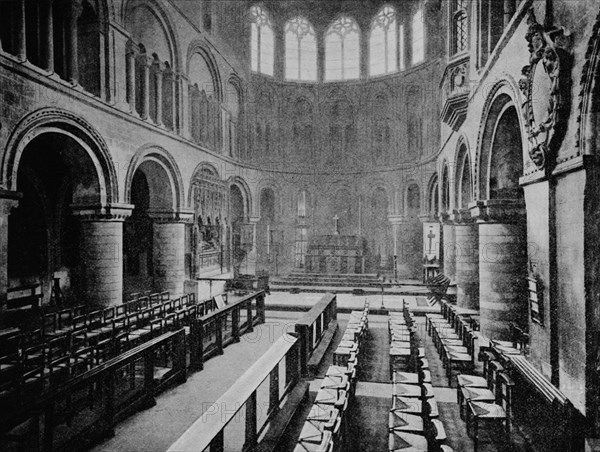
{"points": [[557, 425], [211, 333], [278, 369], [311, 327], [88, 407]]}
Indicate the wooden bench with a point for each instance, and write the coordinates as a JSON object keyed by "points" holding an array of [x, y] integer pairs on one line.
{"points": [[545, 388], [319, 352], [280, 423]]}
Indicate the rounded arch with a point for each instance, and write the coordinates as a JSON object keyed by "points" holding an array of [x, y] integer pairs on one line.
{"points": [[242, 185], [201, 167], [200, 48], [274, 185], [463, 177], [589, 96], [502, 93], [165, 22], [236, 82], [51, 120], [445, 187], [433, 195], [412, 198], [500, 161], [166, 186]]}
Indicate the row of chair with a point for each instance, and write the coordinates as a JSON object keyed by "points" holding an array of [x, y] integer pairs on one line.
{"points": [[454, 343], [405, 350], [326, 425], [89, 340], [414, 416], [486, 400], [482, 399]]}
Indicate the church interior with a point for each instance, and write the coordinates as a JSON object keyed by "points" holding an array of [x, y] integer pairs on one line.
{"points": [[299, 225]]}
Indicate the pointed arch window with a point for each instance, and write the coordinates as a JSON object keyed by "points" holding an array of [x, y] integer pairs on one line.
{"points": [[418, 37], [342, 50], [262, 42], [383, 43], [300, 50]]}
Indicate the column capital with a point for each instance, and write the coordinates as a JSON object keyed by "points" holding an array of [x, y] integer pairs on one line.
{"points": [[132, 48], [184, 216], [498, 211], [8, 201], [145, 59], [396, 219], [76, 8], [159, 65], [461, 217], [253, 220], [444, 217], [111, 212], [428, 218]]}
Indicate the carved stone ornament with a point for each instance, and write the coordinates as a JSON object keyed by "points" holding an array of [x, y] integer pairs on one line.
{"points": [[545, 82]]}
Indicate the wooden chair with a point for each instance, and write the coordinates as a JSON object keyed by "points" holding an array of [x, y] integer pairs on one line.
{"points": [[498, 412]]}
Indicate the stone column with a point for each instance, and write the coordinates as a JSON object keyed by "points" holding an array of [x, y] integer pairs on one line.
{"points": [[146, 63], [401, 269], [8, 201], [158, 86], [21, 32], [72, 42], [169, 250], [449, 246], [102, 253], [502, 265], [132, 53], [249, 263], [49, 36], [509, 11], [467, 259], [183, 121]]}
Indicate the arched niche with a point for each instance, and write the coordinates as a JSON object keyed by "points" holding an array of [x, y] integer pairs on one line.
{"points": [[433, 196], [54, 173], [445, 188], [148, 27], [501, 155], [413, 201], [463, 178]]}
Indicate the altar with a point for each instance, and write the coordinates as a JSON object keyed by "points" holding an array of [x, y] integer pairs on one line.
{"points": [[336, 254]]}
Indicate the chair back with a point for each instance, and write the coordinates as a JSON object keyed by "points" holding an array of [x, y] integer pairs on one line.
{"points": [[504, 387], [494, 369]]}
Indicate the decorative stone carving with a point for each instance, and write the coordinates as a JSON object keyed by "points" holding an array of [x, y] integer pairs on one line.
{"points": [[455, 92], [546, 84]]}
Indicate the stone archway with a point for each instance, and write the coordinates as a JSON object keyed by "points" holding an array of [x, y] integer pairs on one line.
{"points": [[502, 222], [154, 236], [67, 225]]}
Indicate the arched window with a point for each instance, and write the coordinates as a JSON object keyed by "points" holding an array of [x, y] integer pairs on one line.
{"points": [[262, 42], [383, 43], [300, 50], [459, 26], [342, 50], [418, 37]]}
